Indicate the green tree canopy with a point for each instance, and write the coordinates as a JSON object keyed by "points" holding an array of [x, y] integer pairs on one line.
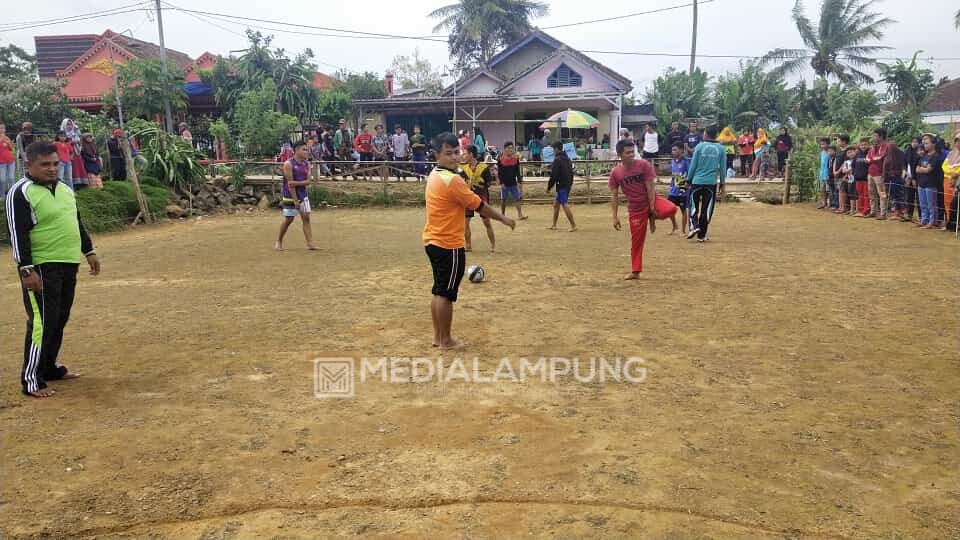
{"points": [[750, 97], [416, 72], [479, 28], [262, 128], [908, 85], [677, 95], [16, 63], [838, 46], [143, 90]]}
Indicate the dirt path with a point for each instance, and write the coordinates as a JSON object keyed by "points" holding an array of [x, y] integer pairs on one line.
{"points": [[802, 382]]}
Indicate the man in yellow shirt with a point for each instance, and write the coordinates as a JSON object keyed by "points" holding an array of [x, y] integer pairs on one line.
{"points": [[447, 198]]}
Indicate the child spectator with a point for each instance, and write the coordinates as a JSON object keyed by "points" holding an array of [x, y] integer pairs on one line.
{"points": [[860, 180], [824, 175], [679, 166]]}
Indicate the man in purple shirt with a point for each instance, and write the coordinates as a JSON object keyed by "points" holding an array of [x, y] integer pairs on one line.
{"points": [[296, 178]]}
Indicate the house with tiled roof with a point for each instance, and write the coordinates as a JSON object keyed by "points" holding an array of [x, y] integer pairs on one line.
{"points": [[526, 82], [85, 64]]}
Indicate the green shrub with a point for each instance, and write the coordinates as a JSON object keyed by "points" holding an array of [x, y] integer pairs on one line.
{"points": [[115, 205]]}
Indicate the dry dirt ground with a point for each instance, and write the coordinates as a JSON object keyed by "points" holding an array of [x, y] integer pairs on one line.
{"points": [[802, 382]]}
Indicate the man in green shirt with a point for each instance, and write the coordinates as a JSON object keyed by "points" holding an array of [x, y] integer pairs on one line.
{"points": [[49, 241], [706, 169]]}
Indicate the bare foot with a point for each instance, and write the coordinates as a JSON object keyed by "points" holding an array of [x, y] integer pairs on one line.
{"points": [[278, 246], [521, 218], [468, 248], [653, 226], [672, 231], [552, 228], [42, 393], [632, 275], [493, 249], [70, 375], [453, 345], [575, 229], [312, 247]]}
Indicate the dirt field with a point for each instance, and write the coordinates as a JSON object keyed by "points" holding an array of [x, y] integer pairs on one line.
{"points": [[802, 382]]}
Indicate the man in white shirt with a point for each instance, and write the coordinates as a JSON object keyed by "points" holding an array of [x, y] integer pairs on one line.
{"points": [[651, 142], [401, 150]]}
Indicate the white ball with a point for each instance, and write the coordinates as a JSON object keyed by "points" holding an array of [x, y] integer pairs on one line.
{"points": [[475, 273]]}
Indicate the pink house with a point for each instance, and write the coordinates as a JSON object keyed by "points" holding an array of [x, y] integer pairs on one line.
{"points": [[526, 82]]}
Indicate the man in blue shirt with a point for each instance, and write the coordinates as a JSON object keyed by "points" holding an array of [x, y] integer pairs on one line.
{"points": [[705, 171], [693, 138], [678, 181], [824, 175]]}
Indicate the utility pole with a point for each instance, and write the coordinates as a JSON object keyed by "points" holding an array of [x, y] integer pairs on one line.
{"points": [[693, 46], [163, 69], [116, 87]]}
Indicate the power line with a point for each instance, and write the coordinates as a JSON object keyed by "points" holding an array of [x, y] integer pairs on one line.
{"points": [[285, 23], [618, 17], [76, 18], [746, 57]]}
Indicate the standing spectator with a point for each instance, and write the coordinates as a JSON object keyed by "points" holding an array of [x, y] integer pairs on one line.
{"points": [[25, 138], [480, 142], [401, 150], [343, 142], [363, 143], [911, 156], [893, 171], [381, 146], [329, 151], [729, 141], [845, 182], [8, 166], [185, 133], [693, 138], [861, 178], [824, 175], [65, 150], [626, 135], [951, 171], [561, 175], [678, 182], [840, 177], [92, 163], [545, 140], [78, 173], [784, 145], [651, 142], [761, 144], [49, 241], [675, 136], [286, 152], [418, 144], [745, 142], [536, 149], [929, 177], [118, 165], [878, 189], [605, 141]]}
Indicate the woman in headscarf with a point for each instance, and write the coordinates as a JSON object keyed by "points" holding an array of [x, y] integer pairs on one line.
{"points": [[69, 127], [92, 163], [760, 146], [951, 175], [729, 141]]}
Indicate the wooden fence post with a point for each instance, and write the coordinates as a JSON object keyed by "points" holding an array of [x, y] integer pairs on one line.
{"points": [[786, 184]]}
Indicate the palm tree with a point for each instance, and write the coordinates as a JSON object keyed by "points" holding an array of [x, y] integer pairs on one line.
{"points": [[838, 46], [478, 28], [908, 85]]}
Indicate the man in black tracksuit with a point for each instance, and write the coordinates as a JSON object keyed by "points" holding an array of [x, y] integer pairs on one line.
{"points": [[49, 241]]}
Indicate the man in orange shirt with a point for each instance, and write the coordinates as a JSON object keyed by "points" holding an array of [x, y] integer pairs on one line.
{"points": [[447, 197]]}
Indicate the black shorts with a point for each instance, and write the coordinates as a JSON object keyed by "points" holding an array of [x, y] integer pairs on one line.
{"points": [[366, 156], [448, 265], [679, 200], [649, 155]]}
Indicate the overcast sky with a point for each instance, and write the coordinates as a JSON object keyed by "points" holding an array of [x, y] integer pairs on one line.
{"points": [[727, 27]]}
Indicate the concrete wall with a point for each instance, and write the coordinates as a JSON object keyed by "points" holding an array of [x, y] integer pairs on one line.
{"points": [[481, 86]]}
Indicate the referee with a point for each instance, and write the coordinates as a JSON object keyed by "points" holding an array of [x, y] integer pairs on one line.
{"points": [[49, 241]]}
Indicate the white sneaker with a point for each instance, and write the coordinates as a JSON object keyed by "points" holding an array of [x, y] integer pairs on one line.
{"points": [[692, 233]]}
